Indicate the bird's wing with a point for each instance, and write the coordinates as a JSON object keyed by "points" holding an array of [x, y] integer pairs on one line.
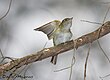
{"points": [[49, 28]]}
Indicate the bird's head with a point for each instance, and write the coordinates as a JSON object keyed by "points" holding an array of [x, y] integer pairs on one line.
{"points": [[66, 23]]}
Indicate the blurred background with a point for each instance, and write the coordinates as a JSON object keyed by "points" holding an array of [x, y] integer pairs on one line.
{"points": [[18, 39]]}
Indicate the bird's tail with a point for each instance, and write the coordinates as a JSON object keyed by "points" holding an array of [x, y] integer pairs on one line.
{"points": [[54, 59]]}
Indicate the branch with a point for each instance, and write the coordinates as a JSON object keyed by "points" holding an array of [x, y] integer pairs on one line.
{"points": [[48, 52]]}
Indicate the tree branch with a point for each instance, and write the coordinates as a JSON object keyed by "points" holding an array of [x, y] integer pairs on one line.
{"points": [[48, 52]]}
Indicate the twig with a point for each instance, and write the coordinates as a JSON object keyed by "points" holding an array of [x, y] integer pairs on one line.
{"points": [[7, 10], [105, 76], [18, 73], [45, 45], [91, 22], [103, 51], [85, 68], [72, 63], [1, 53], [99, 34], [4, 57], [73, 59], [28, 66], [10, 76]]}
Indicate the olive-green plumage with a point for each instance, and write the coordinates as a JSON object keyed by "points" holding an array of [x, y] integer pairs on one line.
{"points": [[58, 31]]}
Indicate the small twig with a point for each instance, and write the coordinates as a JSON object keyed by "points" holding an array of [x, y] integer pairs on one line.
{"points": [[105, 76], [100, 78], [100, 31], [91, 22], [72, 63], [7, 10], [106, 14], [64, 68], [10, 76], [28, 66], [99, 34], [14, 73], [71, 67], [45, 45], [85, 68], [7, 58], [1, 53], [103, 51], [73, 59], [18, 73], [4, 57]]}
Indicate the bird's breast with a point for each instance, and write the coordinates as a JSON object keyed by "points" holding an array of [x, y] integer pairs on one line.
{"points": [[61, 37]]}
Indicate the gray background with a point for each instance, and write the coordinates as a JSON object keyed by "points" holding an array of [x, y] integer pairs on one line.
{"points": [[18, 39]]}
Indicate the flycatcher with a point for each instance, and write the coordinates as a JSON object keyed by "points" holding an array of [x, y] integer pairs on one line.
{"points": [[59, 31]]}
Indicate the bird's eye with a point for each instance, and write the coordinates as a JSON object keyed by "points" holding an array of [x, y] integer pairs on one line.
{"points": [[65, 20]]}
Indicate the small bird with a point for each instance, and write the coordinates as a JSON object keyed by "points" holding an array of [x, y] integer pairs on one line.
{"points": [[59, 31]]}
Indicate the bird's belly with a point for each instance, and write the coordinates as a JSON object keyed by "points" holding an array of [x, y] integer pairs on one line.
{"points": [[62, 37]]}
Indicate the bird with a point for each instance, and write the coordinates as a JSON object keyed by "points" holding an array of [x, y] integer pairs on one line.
{"points": [[59, 31]]}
